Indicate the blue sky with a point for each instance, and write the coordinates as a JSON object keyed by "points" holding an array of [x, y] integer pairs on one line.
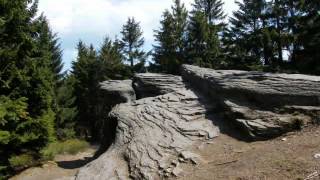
{"points": [[92, 20]]}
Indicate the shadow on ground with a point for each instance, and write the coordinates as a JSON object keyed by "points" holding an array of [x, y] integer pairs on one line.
{"points": [[75, 164]]}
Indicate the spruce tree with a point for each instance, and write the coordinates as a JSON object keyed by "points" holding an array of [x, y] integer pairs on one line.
{"points": [[84, 72], [243, 40], [91, 68], [307, 60], [26, 86], [64, 99], [110, 58], [66, 110], [132, 42], [212, 9], [203, 29], [198, 41], [169, 51]]}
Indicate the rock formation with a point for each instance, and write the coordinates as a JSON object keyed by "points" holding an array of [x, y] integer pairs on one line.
{"points": [[157, 133], [259, 102], [150, 85], [118, 91]]}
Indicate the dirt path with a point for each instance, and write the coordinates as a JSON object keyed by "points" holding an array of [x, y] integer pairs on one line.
{"points": [[290, 157], [64, 167]]}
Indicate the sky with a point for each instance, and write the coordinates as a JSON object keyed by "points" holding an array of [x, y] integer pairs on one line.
{"points": [[92, 20]]}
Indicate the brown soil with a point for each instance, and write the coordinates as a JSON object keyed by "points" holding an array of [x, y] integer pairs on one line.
{"points": [[290, 157], [64, 167]]}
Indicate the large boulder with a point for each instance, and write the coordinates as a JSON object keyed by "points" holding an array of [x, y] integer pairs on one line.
{"points": [[153, 136], [112, 92], [264, 105], [150, 84]]}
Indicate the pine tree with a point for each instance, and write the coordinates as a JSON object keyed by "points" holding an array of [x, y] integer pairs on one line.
{"points": [[244, 39], [66, 111], [85, 74], [26, 86], [110, 58], [64, 99], [198, 41], [203, 29], [169, 51], [132, 42], [212, 9], [163, 55], [307, 60], [89, 70], [51, 42]]}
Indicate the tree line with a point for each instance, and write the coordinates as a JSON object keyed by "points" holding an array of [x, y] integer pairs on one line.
{"points": [[40, 104], [265, 35]]}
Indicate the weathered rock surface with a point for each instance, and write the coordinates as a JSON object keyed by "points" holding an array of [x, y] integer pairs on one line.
{"points": [[155, 135], [118, 91], [112, 92], [259, 102], [152, 134], [150, 84]]}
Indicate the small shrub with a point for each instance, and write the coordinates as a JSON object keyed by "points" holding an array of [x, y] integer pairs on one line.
{"points": [[22, 161], [72, 146]]}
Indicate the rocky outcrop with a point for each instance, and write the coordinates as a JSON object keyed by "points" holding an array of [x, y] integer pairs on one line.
{"points": [[112, 92], [150, 84], [118, 91], [258, 102], [154, 135]]}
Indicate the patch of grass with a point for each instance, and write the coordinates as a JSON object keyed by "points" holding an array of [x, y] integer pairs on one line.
{"points": [[72, 146], [22, 161]]}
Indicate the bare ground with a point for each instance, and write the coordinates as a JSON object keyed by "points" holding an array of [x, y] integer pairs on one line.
{"points": [[64, 167], [230, 157]]}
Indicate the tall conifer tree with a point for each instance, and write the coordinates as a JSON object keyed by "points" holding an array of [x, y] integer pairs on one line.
{"points": [[169, 51], [203, 32], [132, 42], [26, 85]]}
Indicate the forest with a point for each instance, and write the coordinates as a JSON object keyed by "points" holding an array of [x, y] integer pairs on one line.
{"points": [[41, 105]]}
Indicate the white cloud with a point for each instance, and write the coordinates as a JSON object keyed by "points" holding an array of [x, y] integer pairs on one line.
{"points": [[91, 20]]}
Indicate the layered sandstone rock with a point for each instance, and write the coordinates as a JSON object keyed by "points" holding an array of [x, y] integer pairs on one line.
{"points": [[259, 102], [154, 135], [150, 84]]}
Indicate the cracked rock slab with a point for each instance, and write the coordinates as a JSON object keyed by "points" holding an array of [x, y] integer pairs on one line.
{"points": [[151, 84], [151, 134], [118, 90], [264, 105]]}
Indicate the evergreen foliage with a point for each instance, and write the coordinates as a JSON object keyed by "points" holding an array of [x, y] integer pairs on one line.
{"points": [[169, 52], [308, 58], [205, 23], [39, 103], [212, 10], [273, 35], [132, 42], [66, 109], [89, 70], [26, 83]]}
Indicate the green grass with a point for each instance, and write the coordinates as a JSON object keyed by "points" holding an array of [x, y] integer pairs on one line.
{"points": [[72, 146], [22, 161]]}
